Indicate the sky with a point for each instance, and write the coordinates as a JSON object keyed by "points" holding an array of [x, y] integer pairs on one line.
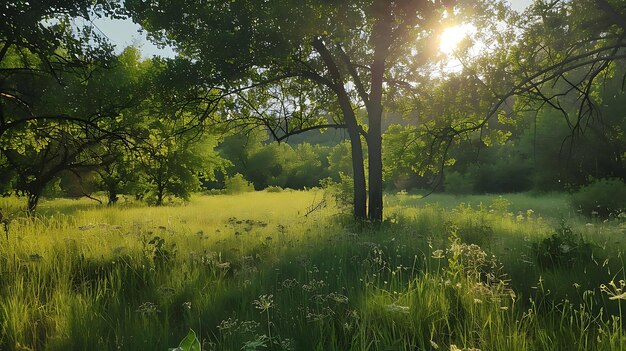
{"points": [[123, 33]]}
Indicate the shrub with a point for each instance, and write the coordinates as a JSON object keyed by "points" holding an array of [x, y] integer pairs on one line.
{"points": [[503, 176], [273, 189], [342, 192], [215, 191], [458, 184], [237, 184], [603, 197], [561, 249]]}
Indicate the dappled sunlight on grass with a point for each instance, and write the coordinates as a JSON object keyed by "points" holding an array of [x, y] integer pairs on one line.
{"points": [[251, 270]]}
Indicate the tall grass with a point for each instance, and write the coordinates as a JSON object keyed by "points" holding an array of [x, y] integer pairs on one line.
{"points": [[251, 272]]}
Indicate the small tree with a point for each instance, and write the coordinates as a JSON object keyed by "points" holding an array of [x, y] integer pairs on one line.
{"points": [[237, 184], [173, 164]]}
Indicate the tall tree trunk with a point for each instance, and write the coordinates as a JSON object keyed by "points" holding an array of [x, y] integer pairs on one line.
{"points": [[112, 196], [358, 167], [374, 143], [358, 164], [375, 164], [159, 199], [358, 172], [382, 38]]}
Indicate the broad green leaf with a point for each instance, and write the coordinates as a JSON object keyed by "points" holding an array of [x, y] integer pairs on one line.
{"points": [[190, 342]]}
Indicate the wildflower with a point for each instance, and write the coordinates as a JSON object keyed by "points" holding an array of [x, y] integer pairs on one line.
{"points": [[397, 308], [289, 283], [565, 248], [223, 265], [147, 308], [438, 254], [313, 285], [264, 303], [339, 298], [615, 292], [456, 348], [187, 305], [319, 299]]}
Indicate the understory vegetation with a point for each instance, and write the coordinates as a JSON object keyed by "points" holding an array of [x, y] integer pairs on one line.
{"points": [[283, 270]]}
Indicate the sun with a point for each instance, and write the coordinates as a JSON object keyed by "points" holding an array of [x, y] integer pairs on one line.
{"points": [[452, 36]]}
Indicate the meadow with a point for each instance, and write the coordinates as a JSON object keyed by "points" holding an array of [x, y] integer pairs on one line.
{"points": [[275, 271]]}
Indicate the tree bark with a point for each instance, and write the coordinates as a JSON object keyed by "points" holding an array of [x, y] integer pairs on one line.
{"points": [[112, 194], [358, 167], [375, 163], [381, 36], [31, 204], [159, 199]]}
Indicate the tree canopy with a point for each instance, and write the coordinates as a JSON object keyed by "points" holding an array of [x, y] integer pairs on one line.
{"points": [[349, 54], [367, 67]]}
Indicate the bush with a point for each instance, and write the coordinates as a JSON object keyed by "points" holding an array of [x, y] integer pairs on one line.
{"points": [[215, 191], [237, 184], [342, 192], [602, 198], [457, 183], [503, 176], [273, 189], [562, 249]]}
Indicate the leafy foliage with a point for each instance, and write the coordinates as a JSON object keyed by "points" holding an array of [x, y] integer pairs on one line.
{"points": [[237, 184], [340, 192], [562, 249], [601, 198], [189, 343], [457, 183]]}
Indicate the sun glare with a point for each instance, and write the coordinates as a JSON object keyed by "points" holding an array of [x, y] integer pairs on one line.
{"points": [[452, 36]]}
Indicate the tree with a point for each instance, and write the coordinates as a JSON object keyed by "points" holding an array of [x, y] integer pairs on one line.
{"points": [[118, 170], [558, 54], [41, 149], [347, 52], [66, 149], [568, 60], [56, 101], [270, 165], [173, 163], [239, 147], [43, 40], [565, 50], [309, 166]]}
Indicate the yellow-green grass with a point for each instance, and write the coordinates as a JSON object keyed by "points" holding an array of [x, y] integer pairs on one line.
{"points": [[251, 269], [554, 205]]}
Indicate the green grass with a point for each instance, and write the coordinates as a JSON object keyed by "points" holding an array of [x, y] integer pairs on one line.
{"points": [[250, 271], [554, 205]]}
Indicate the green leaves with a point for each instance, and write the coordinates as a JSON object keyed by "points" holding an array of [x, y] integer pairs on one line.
{"points": [[189, 343]]}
